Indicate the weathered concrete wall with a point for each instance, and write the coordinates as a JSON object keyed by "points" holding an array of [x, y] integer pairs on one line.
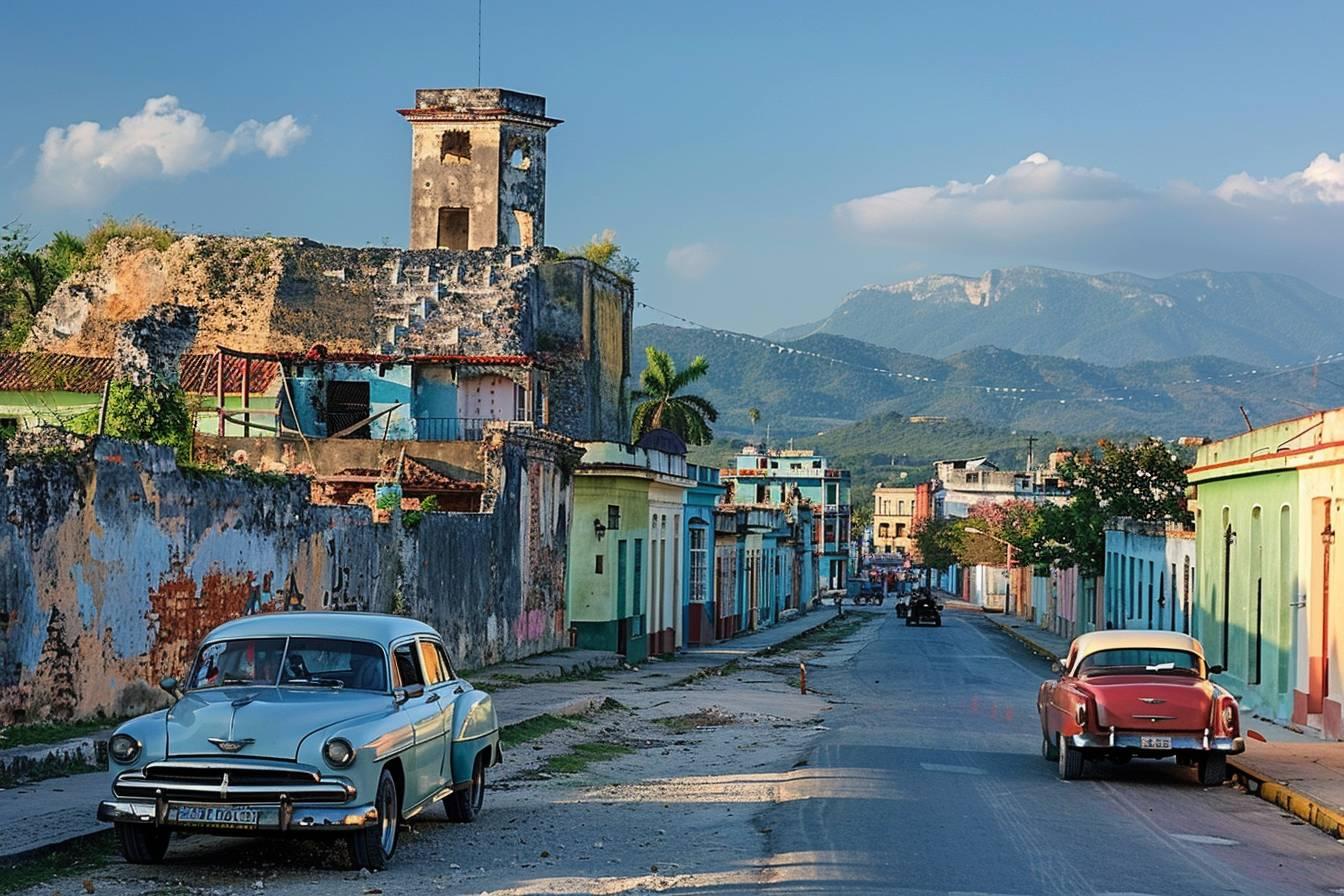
{"points": [[585, 325], [114, 563]]}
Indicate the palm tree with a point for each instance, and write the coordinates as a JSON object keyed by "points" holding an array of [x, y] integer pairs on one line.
{"points": [[661, 405], [754, 415]]}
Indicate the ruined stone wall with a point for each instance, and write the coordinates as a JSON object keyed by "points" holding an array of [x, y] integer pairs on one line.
{"points": [[114, 563], [584, 337], [275, 295]]}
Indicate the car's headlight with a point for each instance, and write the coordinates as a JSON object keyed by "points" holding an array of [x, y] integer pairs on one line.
{"points": [[123, 748], [338, 752]]}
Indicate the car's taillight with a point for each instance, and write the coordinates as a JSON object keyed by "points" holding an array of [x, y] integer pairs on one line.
{"points": [[1228, 716], [1080, 715]]}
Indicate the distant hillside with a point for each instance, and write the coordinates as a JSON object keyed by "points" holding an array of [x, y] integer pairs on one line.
{"points": [[1114, 318], [799, 393]]}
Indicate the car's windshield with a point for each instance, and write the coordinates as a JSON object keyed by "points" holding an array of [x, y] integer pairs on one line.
{"points": [[1141, 660], [316, 662]]}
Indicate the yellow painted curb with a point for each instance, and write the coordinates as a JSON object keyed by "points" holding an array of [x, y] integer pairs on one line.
{"points": [[1294, 801]]}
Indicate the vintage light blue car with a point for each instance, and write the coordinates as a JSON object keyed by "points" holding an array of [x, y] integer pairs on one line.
{"points": [[345, 723]]}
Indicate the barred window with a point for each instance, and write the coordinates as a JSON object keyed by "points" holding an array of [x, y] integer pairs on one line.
{"points": [[699, 566]]}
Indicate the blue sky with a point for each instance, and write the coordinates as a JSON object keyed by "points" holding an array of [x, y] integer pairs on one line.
{"points": [[760, 160]]}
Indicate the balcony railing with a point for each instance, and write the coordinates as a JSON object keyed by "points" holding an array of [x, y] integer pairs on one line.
{"points": [[450, 429]]}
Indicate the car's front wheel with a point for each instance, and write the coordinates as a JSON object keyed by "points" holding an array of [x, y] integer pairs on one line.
{"points": [[372, 846], [142, 844], [1070, 761], [464, 805], [1212, 770]]}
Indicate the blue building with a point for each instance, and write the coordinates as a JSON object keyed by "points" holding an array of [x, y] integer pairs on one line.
{"points": [[699, 561]]}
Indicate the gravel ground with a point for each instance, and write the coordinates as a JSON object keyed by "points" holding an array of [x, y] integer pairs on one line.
{"points": [[678, 812]]}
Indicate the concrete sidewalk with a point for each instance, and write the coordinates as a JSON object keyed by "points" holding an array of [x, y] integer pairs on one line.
{"points": [[1301, 774], [37, 816]]}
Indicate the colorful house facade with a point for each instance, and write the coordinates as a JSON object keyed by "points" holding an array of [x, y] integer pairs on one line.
{"points": [[701, 556], [781, 477], [1150, 576], [1268, 592]]}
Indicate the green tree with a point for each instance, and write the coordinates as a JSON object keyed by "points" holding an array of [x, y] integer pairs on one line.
{"points": [[28, 277], [603, 249], [1145, 482], [754, 415], [662, 404], [155, 413], [1013, 522], [937, 541]]}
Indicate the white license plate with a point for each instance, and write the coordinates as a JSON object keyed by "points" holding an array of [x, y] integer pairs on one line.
{"points": [[230, 816], [1149, 742]]}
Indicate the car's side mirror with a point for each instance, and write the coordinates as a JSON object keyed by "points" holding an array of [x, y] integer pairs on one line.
{"points": [[1216, 669], [1057, 667], [170, 684], [410, 692]]}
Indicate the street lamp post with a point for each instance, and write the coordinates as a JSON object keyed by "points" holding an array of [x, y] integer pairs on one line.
{"points": [[1008, 588]]}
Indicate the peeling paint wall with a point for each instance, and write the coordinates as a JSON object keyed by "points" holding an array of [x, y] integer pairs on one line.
{"points": [[114, 563]]}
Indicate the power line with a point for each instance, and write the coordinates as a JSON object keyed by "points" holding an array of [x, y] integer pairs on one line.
{"points": [[1018, 393]]}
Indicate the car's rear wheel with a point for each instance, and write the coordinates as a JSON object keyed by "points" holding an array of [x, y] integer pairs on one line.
{"points": [[909, 620], [937, 620], [142, 844], [1212, 770], [373, 846], [1070, 760], [464, 805], [1049, 752]]}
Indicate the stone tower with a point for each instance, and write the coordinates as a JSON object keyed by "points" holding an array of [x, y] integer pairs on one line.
{"points": [[478, 168]]}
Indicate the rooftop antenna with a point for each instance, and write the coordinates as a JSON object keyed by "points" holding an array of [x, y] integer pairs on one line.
{"points": [[478, 42]]}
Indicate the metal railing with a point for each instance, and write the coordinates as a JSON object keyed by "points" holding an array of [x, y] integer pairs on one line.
{"points": [[450, 429]]}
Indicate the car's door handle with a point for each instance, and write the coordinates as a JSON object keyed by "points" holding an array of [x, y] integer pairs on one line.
{"points": [[432, 698]]}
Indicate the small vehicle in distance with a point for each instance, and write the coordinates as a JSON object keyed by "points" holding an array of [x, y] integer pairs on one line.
{"points": [[1146, 694], [304, 723], [924, 608], [870, 593]]}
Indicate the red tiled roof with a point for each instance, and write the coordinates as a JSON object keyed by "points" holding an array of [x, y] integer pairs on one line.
{"points": [[48, 372], [198, 372], [44, 372]]}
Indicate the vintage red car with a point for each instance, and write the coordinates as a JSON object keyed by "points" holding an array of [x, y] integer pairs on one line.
{"points": [[1122, 694]]}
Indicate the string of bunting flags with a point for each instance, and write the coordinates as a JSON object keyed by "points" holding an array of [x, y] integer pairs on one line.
{"points": [[1019, 393]]}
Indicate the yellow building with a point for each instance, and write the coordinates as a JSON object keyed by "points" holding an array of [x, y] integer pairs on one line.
{"points": [[893, 517]]}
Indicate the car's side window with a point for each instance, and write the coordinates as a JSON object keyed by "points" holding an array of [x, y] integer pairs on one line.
{"points": [[405, 667], [443, 658], [435, 670]]}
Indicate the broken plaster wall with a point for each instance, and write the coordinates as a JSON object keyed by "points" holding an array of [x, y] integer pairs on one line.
{"points": [[114, 563]]}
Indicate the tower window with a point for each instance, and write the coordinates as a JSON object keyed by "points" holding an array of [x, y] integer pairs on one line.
{"points": [[520, 154], [455, 146], [523, 224], [453, 228]]}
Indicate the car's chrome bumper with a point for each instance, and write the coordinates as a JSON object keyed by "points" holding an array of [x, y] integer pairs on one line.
{"points": [[1180, 743], [282, 816]]}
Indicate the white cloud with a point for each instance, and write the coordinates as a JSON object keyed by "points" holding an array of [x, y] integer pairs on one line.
{"points": [[85, 163], [692, 262], [1041, 210]]}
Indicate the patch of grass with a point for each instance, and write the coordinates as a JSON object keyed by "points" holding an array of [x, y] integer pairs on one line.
{"points": [[532, 729], [80, 858], [705, 718], [33, 733], [836, 629], [580, 756], [50, 767]]}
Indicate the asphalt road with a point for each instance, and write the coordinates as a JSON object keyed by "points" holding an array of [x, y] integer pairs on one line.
{"points": [[930, 780]]}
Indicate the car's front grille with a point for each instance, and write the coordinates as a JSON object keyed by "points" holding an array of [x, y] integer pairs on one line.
{"points": [[230, 782]]}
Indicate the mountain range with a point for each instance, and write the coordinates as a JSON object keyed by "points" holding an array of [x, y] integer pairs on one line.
{"points": [[825, 381], [1112, 319]]}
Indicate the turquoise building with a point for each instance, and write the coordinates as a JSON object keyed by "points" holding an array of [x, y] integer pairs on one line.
{"points": [[789, 477]]}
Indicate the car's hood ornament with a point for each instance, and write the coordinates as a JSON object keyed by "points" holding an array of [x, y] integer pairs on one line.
{"points": [[231, 746], [1153, 700]]}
